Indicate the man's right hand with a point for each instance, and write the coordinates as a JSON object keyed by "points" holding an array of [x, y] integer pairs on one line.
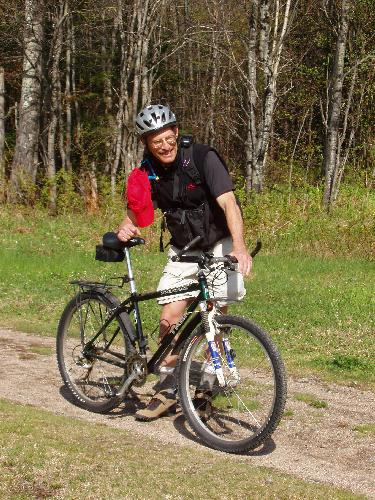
{"points": [[127, 231]]}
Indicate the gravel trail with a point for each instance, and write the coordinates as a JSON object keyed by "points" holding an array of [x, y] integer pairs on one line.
{"points": [[319, 445]]}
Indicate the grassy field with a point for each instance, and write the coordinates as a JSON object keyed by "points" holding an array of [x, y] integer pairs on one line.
{"points": [[319, 309], [46, 456]]}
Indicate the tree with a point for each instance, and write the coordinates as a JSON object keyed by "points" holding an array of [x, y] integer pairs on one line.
{"points": [[268, 25], [2, 125], [335, 95], [25, 161]]}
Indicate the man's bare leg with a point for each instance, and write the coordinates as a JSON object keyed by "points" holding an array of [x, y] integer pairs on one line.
{"points": [[170, 315], [164, 401]]}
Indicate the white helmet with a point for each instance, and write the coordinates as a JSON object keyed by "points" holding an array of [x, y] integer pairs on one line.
{"points": [[153, 118]]}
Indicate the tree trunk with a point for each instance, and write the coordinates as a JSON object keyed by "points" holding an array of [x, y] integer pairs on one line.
{"points": [[2, 129], [55, 100], [25, 163], [334, 107], [259, 131], [68, 92], [251, 140]]}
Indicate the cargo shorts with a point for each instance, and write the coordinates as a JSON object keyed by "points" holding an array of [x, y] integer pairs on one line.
{"points": [[224, 285]]}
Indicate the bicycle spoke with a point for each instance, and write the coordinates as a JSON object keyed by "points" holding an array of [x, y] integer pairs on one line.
{"points": [[95, 371]]}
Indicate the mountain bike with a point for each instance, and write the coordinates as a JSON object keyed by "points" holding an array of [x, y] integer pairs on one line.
{"points": [[230, 376]]}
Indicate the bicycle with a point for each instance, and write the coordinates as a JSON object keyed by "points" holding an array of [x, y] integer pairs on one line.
{"points": [[231, 378]]}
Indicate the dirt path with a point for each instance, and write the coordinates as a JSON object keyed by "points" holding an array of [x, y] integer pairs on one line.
{"points": [[314, 444]]}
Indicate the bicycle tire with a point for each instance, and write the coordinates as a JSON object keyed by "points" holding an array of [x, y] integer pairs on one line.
{"points": [[93, 383], [241, 416]]}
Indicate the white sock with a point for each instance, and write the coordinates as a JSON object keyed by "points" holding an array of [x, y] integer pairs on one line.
{"points": [[165, 371]]}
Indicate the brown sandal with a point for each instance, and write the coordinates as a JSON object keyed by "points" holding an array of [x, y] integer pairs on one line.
{"points": [[161, 404]]}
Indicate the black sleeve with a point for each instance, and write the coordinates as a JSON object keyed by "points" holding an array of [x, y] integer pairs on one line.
{"points": [[216, 175]]}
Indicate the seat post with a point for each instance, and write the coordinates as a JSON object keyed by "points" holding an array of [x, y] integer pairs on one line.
{"points": [[133, 288]]}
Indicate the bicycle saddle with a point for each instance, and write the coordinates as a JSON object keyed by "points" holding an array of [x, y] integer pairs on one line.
{"points": [[110, 240]]}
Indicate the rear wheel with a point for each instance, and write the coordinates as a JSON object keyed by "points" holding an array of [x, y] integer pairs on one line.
{"points": [[241, 415], [93, 373]]}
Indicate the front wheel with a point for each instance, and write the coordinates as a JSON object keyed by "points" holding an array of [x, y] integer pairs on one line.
{"points": [[94, 370], [241, 414]]}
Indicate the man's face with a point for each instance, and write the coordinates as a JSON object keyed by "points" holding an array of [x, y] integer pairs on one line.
{"points": [[163, 145]]}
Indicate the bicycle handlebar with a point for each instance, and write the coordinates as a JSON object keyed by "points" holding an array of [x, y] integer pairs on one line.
{"points": [[191, 243], [111, 240], [208, 260]]}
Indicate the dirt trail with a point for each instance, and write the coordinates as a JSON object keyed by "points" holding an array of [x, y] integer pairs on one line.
{"points": [[314, 444]]}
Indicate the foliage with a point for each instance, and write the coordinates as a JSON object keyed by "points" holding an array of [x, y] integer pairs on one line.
{"points": [[190, 41]]}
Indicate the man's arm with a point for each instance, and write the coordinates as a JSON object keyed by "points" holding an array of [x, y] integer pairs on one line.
{"points": [[128, 227], [228, 203]]}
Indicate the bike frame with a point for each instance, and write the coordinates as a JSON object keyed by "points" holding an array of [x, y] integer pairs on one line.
{"points": [[180, 331]]}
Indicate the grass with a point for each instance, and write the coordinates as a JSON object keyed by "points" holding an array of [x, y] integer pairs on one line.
{"points": [[49, 456], [42, 350], [319, 309], [366, 429], [310, 400]]}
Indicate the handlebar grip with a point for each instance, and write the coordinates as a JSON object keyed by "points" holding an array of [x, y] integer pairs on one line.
{"points": [[232, 258], [256, 249], [186, 247]]}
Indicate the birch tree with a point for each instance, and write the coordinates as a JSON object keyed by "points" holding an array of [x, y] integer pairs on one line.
{"points": [[25, 161], [268, 27], [2, 127], [55, 84], [137, 26], [335, 96]]}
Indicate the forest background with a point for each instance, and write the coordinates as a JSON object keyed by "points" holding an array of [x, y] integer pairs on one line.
{"points": [[283, 89]]}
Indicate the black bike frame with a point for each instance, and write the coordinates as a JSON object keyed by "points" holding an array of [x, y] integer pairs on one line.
{"points": [[181, 330]]}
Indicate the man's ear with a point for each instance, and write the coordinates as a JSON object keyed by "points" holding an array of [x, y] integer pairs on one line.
{"points": [[175, 130], [143, 140]]}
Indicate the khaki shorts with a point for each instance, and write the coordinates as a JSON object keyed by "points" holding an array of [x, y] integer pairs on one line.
{"points": [[225, 286]]}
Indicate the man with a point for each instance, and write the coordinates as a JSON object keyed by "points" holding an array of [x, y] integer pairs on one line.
{"points": [[192, 187]]}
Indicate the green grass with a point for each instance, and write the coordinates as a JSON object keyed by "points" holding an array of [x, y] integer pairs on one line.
{"points": [[49, 456], [42, 350], [288, 413], [310, 400], [320, 310], [366, 429]]}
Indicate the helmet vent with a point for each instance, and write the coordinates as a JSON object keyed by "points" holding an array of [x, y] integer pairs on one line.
{"points": [[153, 118]]}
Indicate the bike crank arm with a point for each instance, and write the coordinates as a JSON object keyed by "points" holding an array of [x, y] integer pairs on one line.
{"points": [[137, 372]]}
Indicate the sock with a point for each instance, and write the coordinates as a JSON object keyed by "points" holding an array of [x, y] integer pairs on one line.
{"points": [[167, 380]]}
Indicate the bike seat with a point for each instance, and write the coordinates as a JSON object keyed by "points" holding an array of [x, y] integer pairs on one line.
{"points": [[110, 240]]}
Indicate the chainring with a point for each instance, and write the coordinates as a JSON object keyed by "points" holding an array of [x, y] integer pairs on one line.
{"points": [[136, 361]]}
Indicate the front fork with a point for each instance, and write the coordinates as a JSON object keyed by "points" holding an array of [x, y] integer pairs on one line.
{"points": [[210, 332]]}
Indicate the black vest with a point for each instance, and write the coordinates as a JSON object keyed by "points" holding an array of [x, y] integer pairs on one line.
{"points": [[182, 194]]}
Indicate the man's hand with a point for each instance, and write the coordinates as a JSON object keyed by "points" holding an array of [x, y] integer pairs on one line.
{"points": [[127, 231], [245, 262]]}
